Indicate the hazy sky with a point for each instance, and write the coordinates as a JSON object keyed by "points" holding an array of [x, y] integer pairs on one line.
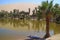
{"points": [[25, 1]]}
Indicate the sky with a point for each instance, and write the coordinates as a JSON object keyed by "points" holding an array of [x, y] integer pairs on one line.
{"points": [[2, 2]]}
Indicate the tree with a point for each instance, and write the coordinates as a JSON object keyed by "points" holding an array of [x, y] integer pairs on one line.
{"points": [[2, 15], [42, 9], [55, 12], [45, 10], [39, 15], [47, 19]]}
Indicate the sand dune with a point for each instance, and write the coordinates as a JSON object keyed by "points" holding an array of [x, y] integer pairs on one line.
{"points": [[20, 6]]}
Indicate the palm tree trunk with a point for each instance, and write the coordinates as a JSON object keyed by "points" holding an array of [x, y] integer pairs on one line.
{"points": [[47, 27]]}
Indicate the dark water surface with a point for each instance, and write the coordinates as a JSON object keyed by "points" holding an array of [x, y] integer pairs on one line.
{"points": [[17, 27]]}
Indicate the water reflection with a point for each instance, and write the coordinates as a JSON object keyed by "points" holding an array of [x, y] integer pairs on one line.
{"points": [[29, 26], [16, 23], [57, 28]]}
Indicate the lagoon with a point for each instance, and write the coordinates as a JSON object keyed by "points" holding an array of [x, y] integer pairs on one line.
{"points": [[12, 28]]}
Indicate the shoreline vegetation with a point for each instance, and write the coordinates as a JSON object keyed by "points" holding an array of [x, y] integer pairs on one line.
{"points": [[39, 13]]}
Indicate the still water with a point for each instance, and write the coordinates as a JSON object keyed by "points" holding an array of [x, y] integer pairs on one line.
{"points": [[17, 27]]}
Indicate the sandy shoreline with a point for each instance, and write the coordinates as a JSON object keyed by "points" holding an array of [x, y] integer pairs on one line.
{"points": [[54, 37]]}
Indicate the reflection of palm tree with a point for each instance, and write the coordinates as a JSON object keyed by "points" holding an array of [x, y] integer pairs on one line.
{"points": [[2, 21], [56, 29], [35, 25]]}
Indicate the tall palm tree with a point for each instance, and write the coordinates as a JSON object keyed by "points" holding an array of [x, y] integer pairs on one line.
{"points": [[45, 9], [47, 19]]}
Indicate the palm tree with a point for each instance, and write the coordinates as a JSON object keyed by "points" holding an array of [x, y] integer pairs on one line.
{"points": [[44, 10], [47, 19], [41, 10]]}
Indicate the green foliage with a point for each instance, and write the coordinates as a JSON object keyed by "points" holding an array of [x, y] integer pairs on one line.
{"points": [[39, 15], [49, 7], [44, 5], [58, 20], [44, 8], [56, 5], [1, 15], [56, 10]]}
